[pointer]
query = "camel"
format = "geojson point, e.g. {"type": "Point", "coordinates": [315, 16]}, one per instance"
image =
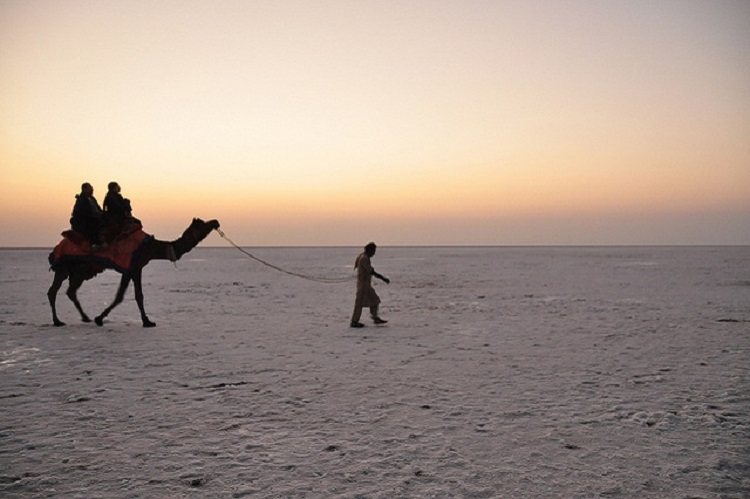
{"type": "Point", "coordinates": [151, 249]}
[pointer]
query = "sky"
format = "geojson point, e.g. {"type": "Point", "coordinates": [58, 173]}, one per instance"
{"type": "Point", "coordinates": [338, 122]}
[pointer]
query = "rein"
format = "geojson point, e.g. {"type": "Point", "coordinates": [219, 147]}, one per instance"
{"type": "Point", "coordinates": [326, 280]}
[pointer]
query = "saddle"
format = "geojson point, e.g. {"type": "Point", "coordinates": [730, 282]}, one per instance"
{"type": "Point", "coordinates": [116, 254]}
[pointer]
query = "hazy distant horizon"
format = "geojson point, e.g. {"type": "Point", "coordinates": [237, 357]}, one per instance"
{"type": "Point", "coordinates": [438, 246]}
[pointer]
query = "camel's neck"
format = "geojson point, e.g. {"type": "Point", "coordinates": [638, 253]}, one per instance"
{"type": "Point", "coordinates": [181, 246]}
{"type": "Point", "coordinates": [171, 250]}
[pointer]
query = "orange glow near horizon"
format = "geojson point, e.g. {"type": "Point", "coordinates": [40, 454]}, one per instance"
{"type": "Point", "coordinates": [417, 123]}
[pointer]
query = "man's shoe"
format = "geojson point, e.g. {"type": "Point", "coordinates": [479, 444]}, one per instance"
{"type": "Point", "coordinates": [356, 324]}
{"type": "Point", "coordinates": [378, 320]}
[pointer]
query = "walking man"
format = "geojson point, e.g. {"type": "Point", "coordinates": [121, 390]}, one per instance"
{"type": "Point", "coordinates": [366, 295]}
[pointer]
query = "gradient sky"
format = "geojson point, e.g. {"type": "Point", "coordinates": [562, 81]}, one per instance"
{"type": "Point", "coordinates": [404, 122]}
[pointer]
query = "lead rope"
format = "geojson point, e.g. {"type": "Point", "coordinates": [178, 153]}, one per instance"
{"type": "Point", "coordinates": [289, 272]}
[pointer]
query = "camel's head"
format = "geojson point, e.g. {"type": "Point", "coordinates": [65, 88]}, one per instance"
{"type": "Point", "coordinates": [199, 229]}
{"type": "Point", "coordinates": [193, 235]}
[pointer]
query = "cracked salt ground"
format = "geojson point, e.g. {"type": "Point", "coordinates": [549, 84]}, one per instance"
{"type": "Point", "coordinates": [503, 372]}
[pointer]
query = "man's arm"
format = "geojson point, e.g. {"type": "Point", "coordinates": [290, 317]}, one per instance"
{"type": "Point", "coordinates": [381, 277]}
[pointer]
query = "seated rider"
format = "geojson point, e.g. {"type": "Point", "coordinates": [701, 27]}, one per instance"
{"type": "Point", "coordinates": [115, 206]}
{"type": "Point", "coordinates": [117, 210]}
{"type": "Point", "coordinates": [87, 215]}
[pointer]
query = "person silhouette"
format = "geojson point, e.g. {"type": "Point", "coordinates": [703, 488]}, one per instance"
{"type": "Point", "coordinates": [87, 215]}
{"type": "Point", "coordinates": [366, 295]}
{"type": "Point", "coordinates": [116, 208]}
{"type": "Point", "coordinates": [118, 214]}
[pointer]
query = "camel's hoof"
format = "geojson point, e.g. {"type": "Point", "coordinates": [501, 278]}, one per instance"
{"type": "Point", "coordinates": [149, 324]}
{"type": "Point", "coordinates": [99, 321]}
{"type": "Point", "coordinates": [85, 318]}
{"type": "Point", "coordinates": [59, 323]}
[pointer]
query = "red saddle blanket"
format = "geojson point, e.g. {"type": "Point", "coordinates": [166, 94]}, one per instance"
{"type": "Point", "coordinates": [118, 255]}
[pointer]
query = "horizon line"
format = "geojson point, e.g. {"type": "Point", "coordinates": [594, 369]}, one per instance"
{"type": "Point", "coordinates": [332, 246]}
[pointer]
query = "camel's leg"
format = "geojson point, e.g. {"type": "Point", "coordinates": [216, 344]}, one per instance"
{"type": "Point", "coordinates": [57, 281]}
{"type": "Point", "coordinates": [124, 282]}
{"type": "Point", "coordinates": [75, 283]}
{"type": "Point", "coordinates": [139, 300]}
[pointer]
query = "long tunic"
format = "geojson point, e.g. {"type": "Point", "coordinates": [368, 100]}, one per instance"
{"type": "Point", "coordinates": [366, 295]}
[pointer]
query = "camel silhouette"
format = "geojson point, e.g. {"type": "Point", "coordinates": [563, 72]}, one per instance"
{"type": "Point", "coordinates": [79, 270]}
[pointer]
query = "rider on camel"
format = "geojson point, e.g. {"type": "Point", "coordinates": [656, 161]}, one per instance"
{"type": "Point", "coordinates": [87, 215]}
{"type": "Point", "coordinates": [117, 210]}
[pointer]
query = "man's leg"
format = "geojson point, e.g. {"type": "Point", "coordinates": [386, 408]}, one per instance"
{"type": "Point", "coordinates": [357, 314]}
{"type": "Point", "coordinates": [375, 317]}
